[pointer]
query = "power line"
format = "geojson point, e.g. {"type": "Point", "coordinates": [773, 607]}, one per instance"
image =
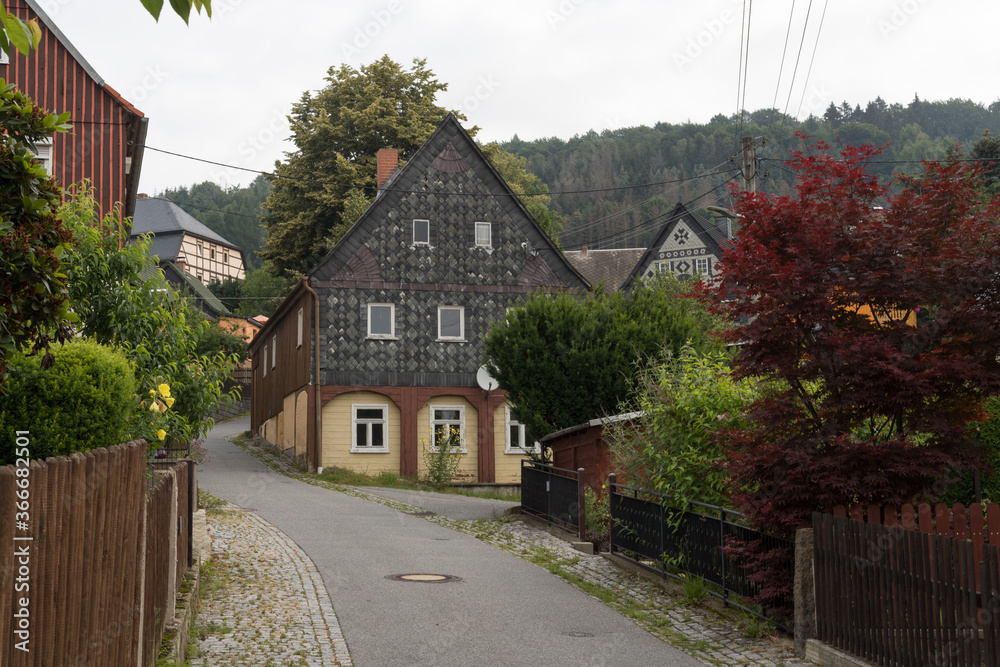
{"type": "Point", "coordinates": [798, 56]}
{"type": "Point", "coordinates": [594, 223]}
{"type": "Point", "coordinates": [638, 229]}
{"type": "Point", "coordinates": [781, 69]}
{"type": "Point", "coordinates": [456, 194]}
{"type": "Point", "coordinates": [805, 85]}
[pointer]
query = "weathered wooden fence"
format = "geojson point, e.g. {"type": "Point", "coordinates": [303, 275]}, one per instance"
{"type": "Point", "coordinates": [87, 575]}
{"type": "Point", "coordinates": [903, 597]}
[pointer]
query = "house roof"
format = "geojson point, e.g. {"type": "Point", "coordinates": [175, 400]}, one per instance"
{"type": "Point", "coordinates": [160, 216]}
{"type": "Point", "coordinates": [209, 303]}
{"type": "Point", "coordinates": [707, 231]}
{"type": "Point", "coordinates": [450, 147]}
{"type": "Point", "coordinates": [611, 267]}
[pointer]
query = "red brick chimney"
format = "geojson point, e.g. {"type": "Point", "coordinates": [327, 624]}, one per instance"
{"type": "Point", "coordinates": [583, 251]}
{"type": "Point", "coordinates": [386, 161]}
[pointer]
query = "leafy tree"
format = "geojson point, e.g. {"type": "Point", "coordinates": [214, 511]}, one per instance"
{"type": "Point", "coordinates": [988, 148]}
{"type": "Point", "coordinates": [25, 35]}
{"type": "Point", "coordinates": [34, 310]}
{"type": "Point", "coordinates": [337, 132]}
{"type": "Point", "coordinates": [123, 299]}
{"type": "Point", "coordinates": [565, 360]}
{"type": "Point", "coordinates": [671, 447]}
{"type": "Point", "coordinates": [870, 409]}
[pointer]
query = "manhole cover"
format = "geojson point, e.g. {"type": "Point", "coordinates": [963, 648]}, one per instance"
{"type": "Point", "coordinates": [424, 578]}
{"type": "Point", "coordinates": [578, 634]}
{"type": "Point", "coordinates": [426, 513]}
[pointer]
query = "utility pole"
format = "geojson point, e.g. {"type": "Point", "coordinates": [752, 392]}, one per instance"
{"type": "Point", "coordinates": [750, 164]}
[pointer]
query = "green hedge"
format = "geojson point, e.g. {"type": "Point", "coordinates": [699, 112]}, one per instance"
{"type": "Point", "coordinates": [81, 403]}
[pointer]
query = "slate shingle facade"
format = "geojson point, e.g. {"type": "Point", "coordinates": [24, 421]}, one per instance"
{"type": "Point", "coordinates": [449, 183]}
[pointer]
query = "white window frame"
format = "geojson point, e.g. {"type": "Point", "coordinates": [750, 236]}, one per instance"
{"type": "Point", "coordinates": [4, 57]}
{"type": "Point", "coordinates": [509, 421]}
{"type": "Point", "coordinates": [701, 265]}
{"type": "Point", "coordinates": [461, 426]}
{"type": "Point", "coordinates": [301, 319]}
{"type": "Point", "coordinates": [414, 236]}
{"type": "Point", "coordinates": [384, 422]}
{"type": "Point", "coordinates": [489, 235]}
{"type": "Point", "coordinates": [265, 361]}
{"type": "Point", "coordinates": [392, 322]}
{"type": "Point", "coordinates": [44, 154]}
{"type": "Point", "coordinates": [274, 351]}
{"type": "Point", "coordinates": [461, 323]}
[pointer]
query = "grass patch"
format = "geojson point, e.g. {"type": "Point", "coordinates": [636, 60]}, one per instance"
{"type": "Point", "coordinates": [207, 500]}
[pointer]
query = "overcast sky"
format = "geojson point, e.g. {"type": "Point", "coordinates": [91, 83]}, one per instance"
{"type": "Point", "coordinates": [220, 89]}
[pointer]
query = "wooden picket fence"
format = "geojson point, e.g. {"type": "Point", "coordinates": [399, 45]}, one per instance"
{"type": "Point", "coordinates": [974, 523]}
{"type": "Point", "coordinates": [89, 577]}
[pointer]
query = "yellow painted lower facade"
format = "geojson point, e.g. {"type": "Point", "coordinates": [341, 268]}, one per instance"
{"type": "Point", "coordinates": [342, 428]}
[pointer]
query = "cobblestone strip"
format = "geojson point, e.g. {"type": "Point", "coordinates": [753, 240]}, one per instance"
{"type": "Point", "coordinates": [716, 641]}
{"type": "Point", "coordinates": [264, 602]}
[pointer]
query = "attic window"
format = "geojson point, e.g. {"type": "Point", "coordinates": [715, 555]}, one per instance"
{"type": "Point", "coordinates": [421, 232]}
{"type": "Point", "coordinates": [483, 237]}
{"type": "Point", "coordinates": [43, 153]}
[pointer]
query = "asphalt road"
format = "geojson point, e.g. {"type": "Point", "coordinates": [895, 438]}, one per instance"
{"type": "Point", "coordinates": [504, 611]}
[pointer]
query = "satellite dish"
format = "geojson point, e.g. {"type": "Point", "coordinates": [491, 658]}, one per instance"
{"type": "Point", "coordinates": [485, 380]}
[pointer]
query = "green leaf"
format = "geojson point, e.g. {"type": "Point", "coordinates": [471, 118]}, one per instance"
{"type": "Point", "coordinates": [19, 33]}
{"type": "Point", "coordinates": [153, 7]}
{"type": "Point", "coordinates": [182, 7]}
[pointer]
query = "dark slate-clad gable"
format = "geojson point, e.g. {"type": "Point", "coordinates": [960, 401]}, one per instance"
{"type": "Point", "coordinates": [449, 183]}
{"type": "Point", "coordinates": [433, 186]}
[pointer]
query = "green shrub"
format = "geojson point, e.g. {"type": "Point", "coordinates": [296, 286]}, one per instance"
{"type": "Point", "coordinates": [443, 463]}
{"type": "Point", "coordinates": [81, 403]}
{"type": "Point", "coordinates": [962, 488]}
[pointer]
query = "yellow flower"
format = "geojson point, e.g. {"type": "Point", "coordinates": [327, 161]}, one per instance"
{"type": "Point", "coordinates": [152, 392]}
{"type": "Point", "coordinates": [161, 434]}
{"type": "Point", "coordinates": [164, 390]}
{"type": "Point", "coordinates": [169, 401]}
{"type": "Point", "coordinates": [154, 407]}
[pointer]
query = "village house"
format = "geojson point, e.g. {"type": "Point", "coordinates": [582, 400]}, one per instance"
{"type": "Point", "coordinates": [399, 309]}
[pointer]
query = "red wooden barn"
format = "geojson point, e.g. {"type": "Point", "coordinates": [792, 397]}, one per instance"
{"type": "Point", "coordinates": [106, 143]}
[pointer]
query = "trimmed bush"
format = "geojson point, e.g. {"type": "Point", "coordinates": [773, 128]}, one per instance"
{"type": "Point", "coordinates": [83, 402]}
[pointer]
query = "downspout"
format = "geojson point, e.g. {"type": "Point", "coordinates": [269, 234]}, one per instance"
{"type": "Point", "coordinates": [317, 385]}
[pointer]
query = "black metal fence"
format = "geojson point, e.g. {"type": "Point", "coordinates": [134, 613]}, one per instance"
{"type": "Point", "coordinates": [901, 597]}
{"type": "Point", "coordinates": [647, 530]}
{"type": "Point", "coordinates": [553, 494]}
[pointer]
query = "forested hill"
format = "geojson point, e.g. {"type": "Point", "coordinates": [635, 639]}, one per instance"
{"type": "Point", "coordinates": [233, 213]}
{"type": "Point", "coordinates": [588, 174]}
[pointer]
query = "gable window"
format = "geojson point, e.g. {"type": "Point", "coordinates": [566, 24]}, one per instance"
{"type": "Point", "coordinates": [448, 422]}
{"type": "Point", "coordinates": [370, 428]}
{"type": "Point", "coordinates": [421, 232]}
{"type": "Point", "coordinates": [701, 266]}
{"type": "Point", "coordinates": [225, 257]}
{"type": "Point", "coordinates": [211, 253]}
{"type": "Point", "coordinates": [483, 236]}
{"type": "Point", "coordinates": [451, 323]}
{"type": "Point", "coordinates": [515, 439]}
{"type": "Point", "coordinates": [301, 319]}
{"type": "Point", "coordinates": [201, 250]}
{"type": "Point", "coordinates": [381, 320]}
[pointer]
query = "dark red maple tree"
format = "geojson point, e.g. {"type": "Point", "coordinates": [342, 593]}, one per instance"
{"type": "Point", "coordinates": [864, 407]}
